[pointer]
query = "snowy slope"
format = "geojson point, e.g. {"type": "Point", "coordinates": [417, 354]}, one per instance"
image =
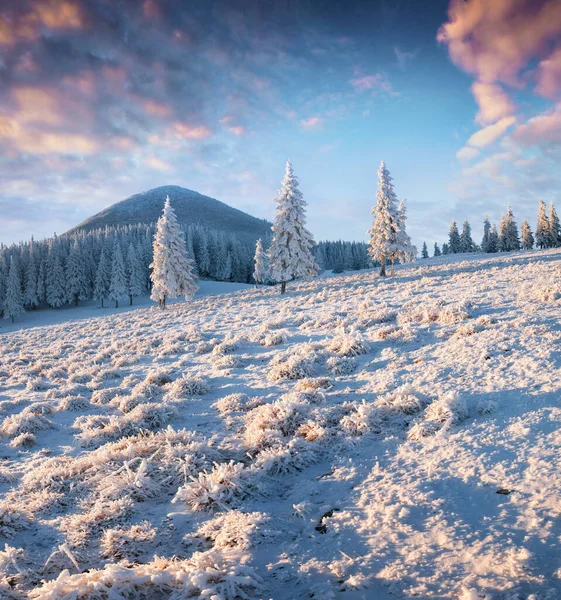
{"type": "Point", "coordinates": [190, 206]}
{"type": "Point", "coordinates": [347, 440]}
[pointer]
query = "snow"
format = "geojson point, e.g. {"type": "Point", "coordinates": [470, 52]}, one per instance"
{"type": "Point", "coordinates": [359, 437]}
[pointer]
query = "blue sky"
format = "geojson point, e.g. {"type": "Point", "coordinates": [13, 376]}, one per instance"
{"type": "Point", "coordinates": [101, 100]}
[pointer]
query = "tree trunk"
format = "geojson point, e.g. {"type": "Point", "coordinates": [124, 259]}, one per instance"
{"type": "Point", "coordinates": [393, 266]}
{"type": "Point", "coordinates": [116, 304]}
{"type": "Point", "coordinates": [164, 302]}
{"type": "Point", "coordinates": [130, 300]}
{"type": "Point", "coordinates": [102, 303]}
{"type": "Point", "coordinates": [383, 268]}
{"type": "Point", "coordinates": [283, 287]}
{"type": "Point", "coordinates": [13, 320]}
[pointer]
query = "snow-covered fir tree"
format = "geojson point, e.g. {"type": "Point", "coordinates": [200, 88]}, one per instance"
{"type": "Point", "coordinates": [13, 302]}
{"type": "Point", "coordinates": [424, 251]}
{"type": "Point", "coordinates": [493, 245]}
{"type": "Point", "coordinates": [486, 234]}
{"type": "Point", "coordinates": [454, 242]}
{"type": "Point", "coordinates": [290, 255]}
{"type": "Point", "coordinates": [75, 275]}
{"type": "Point", "coordinates": [542, 227]}
{"type": "Point", "coordinates": [118, 285]}
{"type": "Point", "coordinates": [383, 233]}
{"type": "Point", "coordinates": [554, 237]}
{"type": "Point", "coordinates": [31, 293]}
{"type": "Point", "coordinates": [173, 272]}
{"type": "Point", "coordinates": [135, 283]}
{"type": "Point", "coordinates": [527, 236]}
{"type": "Point", "coordinates": [56, 282]}
{"type": "Point", "coordinates": [260, 270]}
{"type": "Point", "coordinates": [466, 241]}
{"type": "Point", "coordinates": [511, 239]}
{"type": "Point", "coordinates": [445, 249]}
{"type": "Point", "coordinates": [102, 276]}
{"type": "Point", "coordinates": [404, 251]}
{"type": "Point", "coordinates": [436, 251]}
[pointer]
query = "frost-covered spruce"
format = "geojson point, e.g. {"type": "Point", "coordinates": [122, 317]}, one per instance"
{"type": "Point", "coordinates": [436, 251]}
{"type": "Point", "coordinates": [55, 277]}
{"type": "Point", "coordinates": [290, 254]}
{"type": "Point", "coordinates": [102, 276]}
{"type": "Point", "coordinates": [383, 233]}
{"type": "Point", "coordinates": [260, 271]}
{"type": "Point", "coordinates": [542, 227]}
{"type": "Point", "coordinates": [454, 242]}
{"type": "Point", "coordinates": [31, 294]}
{"type": "Point", "coordinates": [404, 251]}
{"type": "Point", "coordinates": [486, 235]}
{"type": "Point", "coordinates": [173, 272]}
{"type": "Point", "coordinates": [508, 233]}
{"type": "Point", "coordinates": [118, 286]}
{"type": "Point", "coordinates": [554, 228]}
{"type": "Point", "coordinates": [527, 236]}
{"type": "Point", "coordinates": [424, 251]}
{"type": "Point", "coordinates": [75, 275]}
{"type": "Point", "coordinates": [13, 303]}
{"type": "Point", "coordinates": [466, 241]}
{"type": "Point", "coordinates": [135, 284]}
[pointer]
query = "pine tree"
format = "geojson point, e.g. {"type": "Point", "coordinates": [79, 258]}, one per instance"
{"type": "Point", "coordinates": [102, 276]}
{"type": "Point", "coordinates": [260, 261]}
{"type": "Point", "coordinates": [466, 241]}
{"type": "Point", "coordinates": [486, 235]}
{"type": "Point", "coordinates": [527, 237]}
{"type": "Point", "coordinates": [13, 303]}
{"type": "Point", "coordinates": [118, 285]}
{"type": "Point", "coordinates": [75, 275]}
{"type": "Point", "coordinates": [493, 240]}
{"type": "Point", "coordinates": [290, 255]}
{"type": "Point", "coordinates": [511, 240]}
{"type": "Point", "coordinates": [445, 249]}
{"type": "Point", "coordinates": [173, 272]}
{"type": "Point", "coordinates": [403, 251]}
{"type": "Point", "coordinates": [135, 285]}
{"type": "Point", "coordinates": [424, 251]}
{"type": "Point", "coordinates": [554, 228]}
{"type": "Point", "coordinates": [56, 283]}
{"type": "Point", "coordinates": [454, 243]}
{"type": "Point", "coordinates": [437, 251]}
{"type": "Point", "coordinates": [542, 227]}
{"type": "Point", "coordinates": [383, 233]}
{"type": "Point", "coordinates": [31, 296]}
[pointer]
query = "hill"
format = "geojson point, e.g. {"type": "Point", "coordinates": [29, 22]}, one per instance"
{"type": "Point", "coordinates": [356, 438]}
{"type": "Point", "coordinates": [190, 208]}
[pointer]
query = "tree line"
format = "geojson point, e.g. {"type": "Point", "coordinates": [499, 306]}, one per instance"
{"type": "Point", "coordinates": [506, 237]}
{"type": "Point", "coordinates": [109, 264]}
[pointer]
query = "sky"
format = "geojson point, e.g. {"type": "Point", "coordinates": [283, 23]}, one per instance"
{"type": "Point", "coordinates": [101, 99]}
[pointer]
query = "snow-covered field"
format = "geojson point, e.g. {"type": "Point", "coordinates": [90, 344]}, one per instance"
{"type": "Point", "coordinates": [358, 438]}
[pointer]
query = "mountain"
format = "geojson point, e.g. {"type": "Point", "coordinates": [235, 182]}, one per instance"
{"type": "Point", "coordinates": [190, 208]}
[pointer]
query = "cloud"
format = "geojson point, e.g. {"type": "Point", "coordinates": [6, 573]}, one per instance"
{"type": "Point", "coordinates": [403, 57]}
{"type": "Point", "coordinates": [549, 76]}
{"type": "Point", "coordinates": [467, 154]}
{"type": "Point", "coordinates": [376, 82]}
{"type": "Point", "coordinates": [540, 130]}
{"type": "Point", "coordinates": [491, 133]}
{"type": "Point", "coordinates": [495, 39]}
{"type": "Point", "coordinates": [311, 122]}
{"type": "Point", "coordinates": [494, 103]}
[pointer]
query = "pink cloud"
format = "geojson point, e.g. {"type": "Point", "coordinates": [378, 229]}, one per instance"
{"type": "Point", "coordinates": [371, 82]}
{"type": "Point", "coordinates": [467, 154]}
{"type": "Point", "coordinates": [549, 75]}
{"type": "Point", "coordinates": [494, 103]}
{"type": "Point", "coordinates": [495, 39]}
{"type": "Point", "coordinates": [311, 122]}
{"type": "Point", "coordinates": [488, 135]}
{"type": "Point", "coordinates": [543, 128]}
